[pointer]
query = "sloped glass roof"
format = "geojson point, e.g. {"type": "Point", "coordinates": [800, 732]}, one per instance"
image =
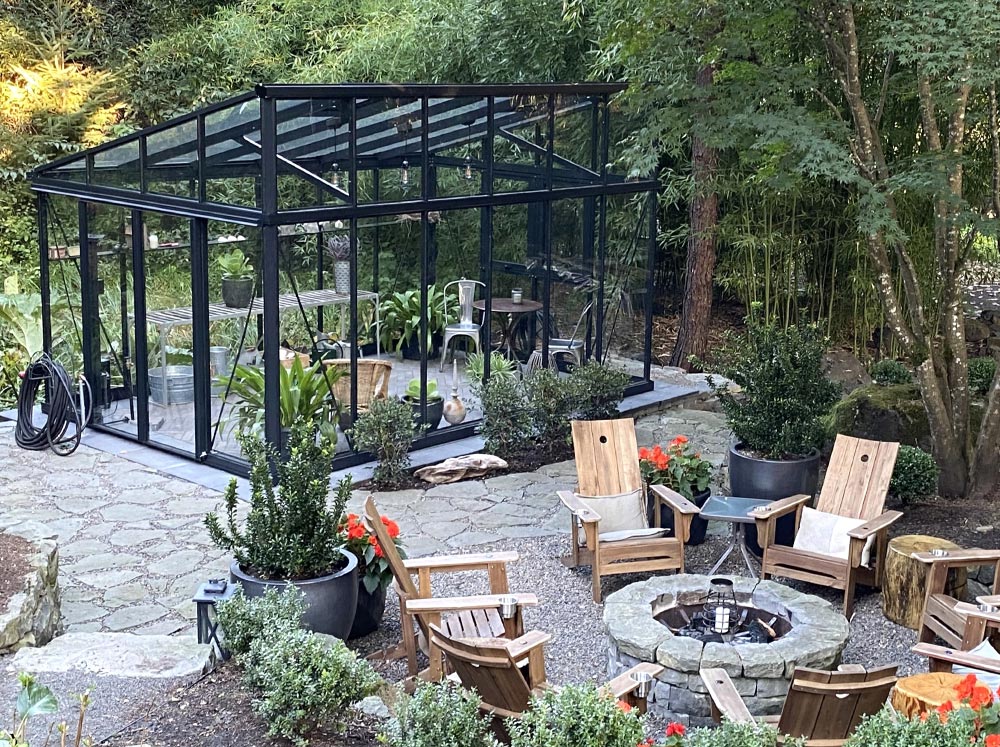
{"type": "Point", "coordinates": [326, 141]}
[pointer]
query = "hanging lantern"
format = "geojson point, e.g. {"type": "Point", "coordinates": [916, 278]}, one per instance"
{"type": "Point", "coordinates": [335, 179]}
{"type": "Point", "coordinates": [720, 606]}
{"type": "Point", "coordinates": [404, 175]}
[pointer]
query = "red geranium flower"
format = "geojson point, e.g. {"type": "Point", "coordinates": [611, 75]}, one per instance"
{"type": "Point", "coordinates": [355, 532]}
{"type": "Point", "coordinates": [980, 697]}
{"type": "Point", "coordinates": [392, 526]}
{"type": "Point", "coordinates": [993, 740]}
{"type": "Point", "coordinates": [623, 706]}
{"type": "Point", "coordinates": [965, 687]}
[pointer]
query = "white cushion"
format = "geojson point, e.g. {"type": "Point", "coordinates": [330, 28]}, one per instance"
{"type": "Point", "coordinates": [986, 651]}
{"type": "Point", "coordinates": [626, 511]}
{"type": "Point", "coordinates": [827, 534]}
{"type": "Point", "coordinates": [625, 534]}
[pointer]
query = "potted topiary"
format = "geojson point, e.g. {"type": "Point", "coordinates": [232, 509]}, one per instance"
{"type": "Point", "coordinates": [374, 571]}
{"type": "Point", "coordinates": [435, 403]}
{"type": "Point", "coordinates": [237, 279]}
{"type": "Point", "coordinates": [683, 470]}
{"type": "Point", "coordinates": [290, 536]}
{"type": "Point", "coordinates": [776, 417]}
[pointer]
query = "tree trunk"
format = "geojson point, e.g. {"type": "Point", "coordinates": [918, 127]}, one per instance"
{"type": "Point", "coordinates": [692, 335]}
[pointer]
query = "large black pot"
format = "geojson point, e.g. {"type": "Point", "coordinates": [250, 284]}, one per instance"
{"type": "Point", "coordinates": [771, 479]}
{"type": "Point", "coordinates": [698, 524]}
{"type": "Point", "coordinates": [331, 600]}
{"type": "Point", "coordinates": [237, 292]}
{"type": "Point", "coordinates": [371, 608]}
{"type": "Point", "coordinates": [435, 409]}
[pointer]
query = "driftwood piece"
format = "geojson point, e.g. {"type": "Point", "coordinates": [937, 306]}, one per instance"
{"type": "Point", "coordinates": [905, 581]}
{"type": "Point", "coordinates": [460, 468]}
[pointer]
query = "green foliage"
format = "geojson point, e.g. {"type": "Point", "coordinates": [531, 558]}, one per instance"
{"type": "Point", "coordinates": [246, 620]}
{"type": "Point", "coordinates": [915, 474]}
{"type": "Point", "coordinates": [732, 734]}
{"type": "Point", "coordinates": [21, 320]}
{"type": "Point", "coordinates": [303, 394]}
{"type": "Point", "coordinates": [550, 402]}
{"type": "Point", "coordinates": [575, 716]}
{"type": "Point", "coordinates": [888, 729]}
{"type": "Point", "coordinates": [597, 389]}
{"type": "Point", "coordinates": [506, 426]}
{"type": "Point", "coordinates": [439, 715]}
{"type": "Point", "coordinates": [981, 374]}
{"type": "Point", "coordinates": [35, 699]}
{"type": "Point", "coordinates": [387, 430]}
{"type": "Point", "coordinates": [413, 390]}
{"type": "Point", "coordinates": [785, 390]}
{"type": "Point", "coordinates": [888, 372]}
{"type": "Point", "coordinates": [234, 265]}
{"type": "Point", "coordinates": [402, 312]}
{"type": "Point", "coordinates": [305, 681]}
{"type": "Point", "coordinates": [500, 365]}
{"type": "Point", "coordinates": [289, 533]}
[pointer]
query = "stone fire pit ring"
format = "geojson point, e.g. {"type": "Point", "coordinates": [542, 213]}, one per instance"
{"type": "Point", "coordinates": [761, 671]}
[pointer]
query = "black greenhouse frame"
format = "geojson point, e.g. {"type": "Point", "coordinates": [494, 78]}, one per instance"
{"type": "Point", "coordinates": [286, 161]}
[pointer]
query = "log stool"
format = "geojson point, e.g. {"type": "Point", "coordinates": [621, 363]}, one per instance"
{"type": "Point", "coordinates": [905, 581]}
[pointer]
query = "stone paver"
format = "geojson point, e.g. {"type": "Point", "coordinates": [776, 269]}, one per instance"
{"type": "Point", "coordinates": [134, 548]}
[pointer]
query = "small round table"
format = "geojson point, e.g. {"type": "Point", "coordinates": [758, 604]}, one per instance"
{"type": "Point", "coordinates": [513, 312]}
{"type": "Point", "coordinates": [918, 693]}
{"type": "Point", "coordinates": [737, 512]}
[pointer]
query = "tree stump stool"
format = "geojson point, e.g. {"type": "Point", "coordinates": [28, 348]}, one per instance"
{"type": "Point", "coordinates": [905, 582]}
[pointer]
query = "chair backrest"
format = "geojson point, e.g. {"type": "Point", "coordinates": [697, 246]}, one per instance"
{"type": "Point", "coordinates": [857, 477]}
{"type": "Point", "coordinates": [607, 457]}
{"type": "Point", "coordinates": [373, 380]}
{"type": "Point", "coordinates": [583, 316]}
{"type": "Point", "coordinates": [466, 295]}
{"type": "Point", "coordinates": [829, 705]}
{"type": "Point", "coordinates": [484, 665]}
{"type": "Point", "coordinates": [402, 577]}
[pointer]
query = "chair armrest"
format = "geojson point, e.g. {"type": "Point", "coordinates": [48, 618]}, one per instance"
{"type": "Point", "coordinates": [623, 684]}
{"type": "Point", "coordinates": [723, 693]}
{"type": "Point", "coordinates": [460, 604]}
{"type": "Point", "coordinates": [993, 599]}
{"type": "Point", "coordinates": [959, 557]}
{"type": "Point", "coordinates": [951, 656]}
{"type": "Point", "coordinates": [780, 507]}
{"type": "Point", "coordinates": [470, 562]}
{"type": "Point", "coordinates": [674, 500]}
{"type": "Point", "coordinates": [874, 526]}
{"type": "Point", "coordinates": [522, 645]}
{"type": "Point", "coordinates": [971, 610]}
{"type": "Point", "coordinates": [578, 508]}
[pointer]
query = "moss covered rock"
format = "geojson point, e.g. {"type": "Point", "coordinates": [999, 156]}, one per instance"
{"type": "Point", "coordinates": [882, 413]}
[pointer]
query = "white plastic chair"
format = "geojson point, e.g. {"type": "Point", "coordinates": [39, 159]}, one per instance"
{"type": "Point", "coordinates": [464, 327]}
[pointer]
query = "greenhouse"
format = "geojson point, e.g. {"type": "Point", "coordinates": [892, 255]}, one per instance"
{"type": "Point", "coordinates": [308, 248]}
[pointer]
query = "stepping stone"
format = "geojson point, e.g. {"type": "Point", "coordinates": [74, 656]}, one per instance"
{"type": "Point", "coordinates": [117, 655]}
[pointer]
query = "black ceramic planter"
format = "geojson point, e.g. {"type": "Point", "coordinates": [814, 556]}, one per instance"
{"type": "Point", "coordinates": [371, 608]}
{"type": "Point", "coordinates": [435, 409]}
{"type": "Point", "coordinates": [331, 601]}
{"type": "Point", "coordinates": [771, 479]}
{"type": "Point", "coordinates": [237, 292]}
{"type": "Point", "coordinates": [698, 524]}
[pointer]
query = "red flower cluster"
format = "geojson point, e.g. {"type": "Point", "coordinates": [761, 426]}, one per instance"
{"type": "Point", "coordinates": [675, 729]}
{"type": "Point", "coordinates": [674, 737]}
{"type": "Point", "coordinates": [992, 740]}
{"type": "Point", "coordinates": [655, 456]}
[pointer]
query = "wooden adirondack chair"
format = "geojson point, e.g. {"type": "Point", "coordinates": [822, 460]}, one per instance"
{"type": "Point", "coordinates": [419, 609]}
{"type": "Point", "coordinates": [944, 615]}
{"type": "Point", "coordinates": [977, 627]}
{"type": "Point", "coordinates": [607, 464]}
{"type": "Point", "coordinates": [855, 486]}
{"type": "Point", "coordinates": [506, 674]}
{"type": "Point", "coordinates": [823, 707]}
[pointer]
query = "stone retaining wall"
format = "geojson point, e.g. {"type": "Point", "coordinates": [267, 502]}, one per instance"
{"type": "Point", "coordinates": [32, 617]}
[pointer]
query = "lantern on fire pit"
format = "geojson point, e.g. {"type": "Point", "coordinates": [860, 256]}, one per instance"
{"type": "Point", "coordinates": [720, 606]}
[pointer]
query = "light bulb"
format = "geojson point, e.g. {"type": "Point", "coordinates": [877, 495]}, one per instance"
{"type": "Point", "coordinates": [335, 180]}
{"type": "Point", "coordinates": [467, 169]}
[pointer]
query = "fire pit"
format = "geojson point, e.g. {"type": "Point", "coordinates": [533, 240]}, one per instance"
{"type": "Point", "coordinates": [758, 631]}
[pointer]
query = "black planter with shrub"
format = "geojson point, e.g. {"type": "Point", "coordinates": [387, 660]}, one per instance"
{"type": "Point", "coordinates": [777, 414]}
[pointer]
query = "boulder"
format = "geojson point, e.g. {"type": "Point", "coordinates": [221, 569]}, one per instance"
{"type": "Point", "coordinates": [845, 368]}
{"type": "Point", "coordinates": [883, 413]}
{"type": "Point", "coordinates": [976, 331]}
{"type": "Point", "coordinates": [32, 617]}
{"type": "Point", "coordinates": [461, 468]}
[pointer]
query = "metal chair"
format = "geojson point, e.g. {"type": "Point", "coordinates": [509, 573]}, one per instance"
{"type": "Point", "coordinates": [572, 345]}
{"type": "Point", "coordinates": [464, 327]}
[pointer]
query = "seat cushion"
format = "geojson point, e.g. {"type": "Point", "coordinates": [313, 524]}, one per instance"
{"type": "Point", "coordinates": [625, 534]}
{"type": "Point", "coordinates": [622, 512]}
{"type": "Point", "coordinates": [985, 650]}
{"type": "Point", "coordinates": [826, 533]}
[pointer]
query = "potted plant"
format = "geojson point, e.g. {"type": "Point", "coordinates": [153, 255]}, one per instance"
{"type": "Point", "coordinates": [682, 469]}
{"type": "Point", "coordinates": [290, 535]}
{"type": "Point", "coordinates": [303, 394]}
{"type": "Point", "coordinates": [400, 317]}
{"type": "Point", "coordinates": [374, 571]}
{"type": "Point", "coordinates": [237, 279]}
{"type": "Point", "coordinates": [339, 250]}
{"type": "Point", "coordinates": [776, 416]}
{"type": "Point", "coordinates": [435, 402]}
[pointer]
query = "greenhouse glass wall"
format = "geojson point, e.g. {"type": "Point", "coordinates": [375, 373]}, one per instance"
{"type": "Point", "coordinates": [201, 273]}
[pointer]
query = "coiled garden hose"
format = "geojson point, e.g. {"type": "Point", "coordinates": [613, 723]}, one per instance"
{"type": "Point", "coordinates": [65, 409]}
